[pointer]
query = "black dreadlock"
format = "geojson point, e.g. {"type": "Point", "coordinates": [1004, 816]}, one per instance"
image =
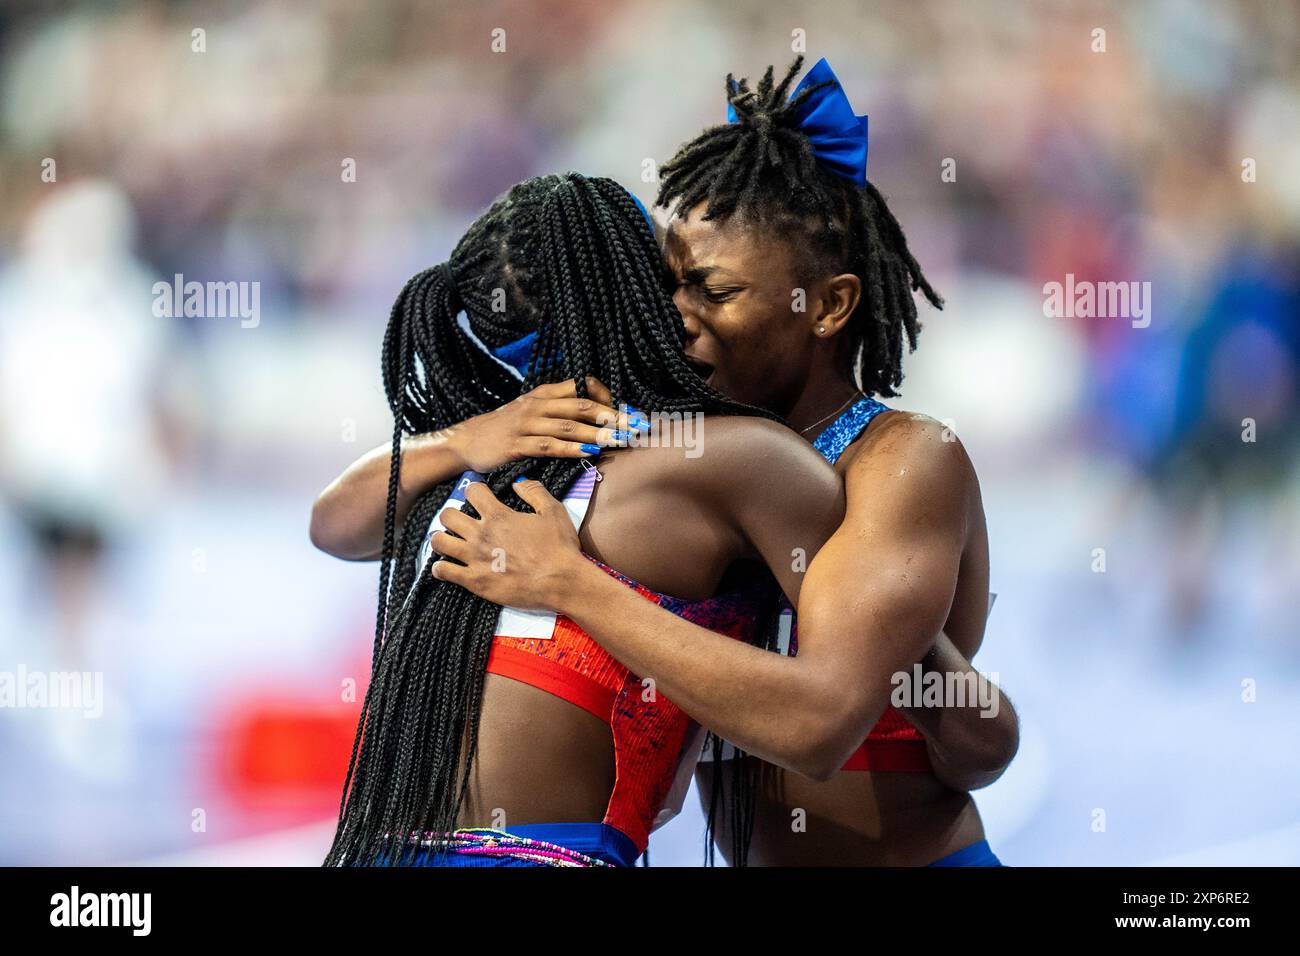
{"type": "Point", "coordinates": [561, 256]}
{"type": "Point", "coordinates": [763, 168]}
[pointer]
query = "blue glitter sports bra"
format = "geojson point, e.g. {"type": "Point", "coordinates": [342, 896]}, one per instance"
{"type": "Point", "coordinates": [844, 431]}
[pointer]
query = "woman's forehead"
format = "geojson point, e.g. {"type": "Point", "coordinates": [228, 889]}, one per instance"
{"type": "Point", "coordinates": [733, 246]}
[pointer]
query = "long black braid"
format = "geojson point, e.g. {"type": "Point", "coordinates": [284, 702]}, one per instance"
{"type": "Point", "coordinates": [561, 256]}
{"type": "Point", "coordinates": [763, 168]}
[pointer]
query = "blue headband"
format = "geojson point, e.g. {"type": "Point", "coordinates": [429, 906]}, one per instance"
{"type": "Point", "coordinates": [839, 137]}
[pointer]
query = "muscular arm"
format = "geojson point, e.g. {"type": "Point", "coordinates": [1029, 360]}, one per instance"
{"type": "Point", "coordinates": [870, 604]}
{"type": "Point", "coordinates": [347, 519]}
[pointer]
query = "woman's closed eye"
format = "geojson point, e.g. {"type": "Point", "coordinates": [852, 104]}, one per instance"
{"type": "Point", "coordinates": [719, 295]}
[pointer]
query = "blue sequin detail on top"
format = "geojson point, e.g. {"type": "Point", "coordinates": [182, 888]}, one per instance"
{"type": "Point", "coordinates": [844, 431]}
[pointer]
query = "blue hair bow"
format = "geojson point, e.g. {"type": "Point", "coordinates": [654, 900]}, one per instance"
{"type": "Point", "coordinates": [839, 137]}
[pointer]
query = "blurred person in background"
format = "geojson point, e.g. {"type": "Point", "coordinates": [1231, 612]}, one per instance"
{"type": "Point", "coordinates": [81, 357]}
{"type": "Point", "coordinates": [1234, 439]}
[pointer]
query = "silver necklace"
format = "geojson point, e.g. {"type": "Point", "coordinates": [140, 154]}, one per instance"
{"type": "Point", "coordinates": [852, 399]}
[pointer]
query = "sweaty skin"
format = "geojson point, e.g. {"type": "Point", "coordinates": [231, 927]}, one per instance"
{"type": "Point", "coordinates": [908, 557]}
{"type": "Point", "coordinates": [910, 560]}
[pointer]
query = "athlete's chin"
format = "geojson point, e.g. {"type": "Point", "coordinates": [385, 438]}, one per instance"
{"type": "Point", "coordinates": [718, 382]}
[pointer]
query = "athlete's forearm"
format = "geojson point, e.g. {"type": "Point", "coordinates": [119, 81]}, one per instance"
{"type": "Point", "coordinates": [788, 712]}
{"type": "Point", "coordinates": [347, 519]}
{"type": "Point", "coordinates": [548, 421]}
{"type": "Point", "coordinates": [971, 740]}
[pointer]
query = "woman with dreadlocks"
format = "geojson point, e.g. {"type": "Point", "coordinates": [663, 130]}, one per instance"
{"type": "Point", "coordinates": [771, 208]}
{"type": "Point", "coordinates": [497, 736]}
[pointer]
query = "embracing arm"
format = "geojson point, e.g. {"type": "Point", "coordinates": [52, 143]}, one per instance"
{"type": "Point", "coordinates": [347, 519]}
{"type": "Point", "coordinates": [870, 605]}
{"type": "Point", "coordinates": [795, 727]}
{"type": "Point", "coordinates": [969, 746]}
{"type": "Point", "coordinates": [782, 501]}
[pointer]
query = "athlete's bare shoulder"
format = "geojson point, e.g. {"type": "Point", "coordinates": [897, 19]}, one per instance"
{"type": "Point", "coordinates": [903, 444]}
{"type": "Point", "coordinates": [748, 443]}
{"type": "Point", "coordinates": [734, 454]}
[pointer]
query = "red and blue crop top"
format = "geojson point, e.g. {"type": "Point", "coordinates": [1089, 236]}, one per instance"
{"type": "Point", "coordinates": [552, 653]}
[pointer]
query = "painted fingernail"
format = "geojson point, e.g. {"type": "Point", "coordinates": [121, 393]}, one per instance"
{"type": "Point", "coordinates": [521, 478]}
{"type": "Point", "coordinates": [620, 436]}
{"type": "Point", "coordinates": [635, 420]}
{"type": "Point", "coordinates": [591, 449]}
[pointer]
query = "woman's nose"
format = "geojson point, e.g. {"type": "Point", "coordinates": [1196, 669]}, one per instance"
{"type": "Point", "coordinates": [683, 302]}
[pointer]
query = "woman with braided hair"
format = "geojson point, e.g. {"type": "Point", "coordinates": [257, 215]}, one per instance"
{"type": "Point", "coordinates": [795, 283]}
{"type": "Point", "coordinates": [494, 735]}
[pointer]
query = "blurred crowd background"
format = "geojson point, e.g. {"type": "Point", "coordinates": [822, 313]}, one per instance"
{"type": "Point", "coordinates": [156, 474]}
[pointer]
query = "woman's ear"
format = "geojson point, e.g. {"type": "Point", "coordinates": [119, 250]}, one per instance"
{"type": "Point", "coordinates": [840, 296]}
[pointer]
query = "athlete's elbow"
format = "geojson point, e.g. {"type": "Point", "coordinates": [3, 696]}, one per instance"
{"type": "Point", "coordinates": [820, 770]}
{"type": "Point", "coordinates": [1003, 744]}
{"type": "Point", "coordinates": [807, 754]}
{"type": "Point", "coordinates": [829, 739]}
{"type": "Point", "coordinates": [1000, 738]}
{"type": "Point", "coordinates": [823, 760]}
{"type": "Point", "coordinates": [985, 759]}
{"type": "Point", "coordinates": [333, 535]}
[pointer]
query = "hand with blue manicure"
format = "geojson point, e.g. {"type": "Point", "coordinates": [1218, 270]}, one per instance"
{"type": "Point", "coordinates": [636, 421]}
{"type": "Point", "coordinates": [550, 421]}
